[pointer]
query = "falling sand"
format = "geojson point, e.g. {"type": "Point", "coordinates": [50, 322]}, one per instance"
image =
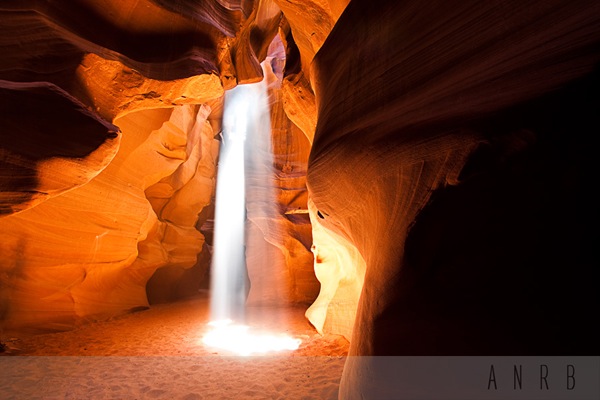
{"type": "Point", "coordinates": [159, 354]}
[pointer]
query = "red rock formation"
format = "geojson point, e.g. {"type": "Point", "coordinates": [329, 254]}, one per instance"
{"type": "Point", "coordinates": [91, 250]}
{"type": "Point", "coordinates": [340, 268]}
{"type": "Point", "coordinates": [49, 144]}
{"type": "Point", "coordinates": [306, 26]}
{"type": "Point", "coordinates": [119, 207]}
{"type": "Point", "coordinates": [448, 175]}
{"type": "Point", "coordinates": [82, 68]}
{"type": "Point", "coordinates": [456, 133]}
{"type": "Point", "coordinates": [279, 261]}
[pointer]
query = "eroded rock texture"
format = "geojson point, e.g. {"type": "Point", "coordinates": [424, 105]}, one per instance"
{"type": "Point", "coordinates": [450, 207]}
{"type": "Point", "coordinates": [459, 134]}
{"type": "Point", "coordinates": [306, 25]}
{"type": "Point", "coordinates": [49, 143]}
{"type": "Point", "coordinates": [340, 268]}
{"type": "Point", "coordinates": [109, 114]}
{"type": "Point", "coordinates": [91, 250]}
{"type": "Point", "coordinates": [278, 232]}
{"type": "Point", "coordinates": [114, 57]}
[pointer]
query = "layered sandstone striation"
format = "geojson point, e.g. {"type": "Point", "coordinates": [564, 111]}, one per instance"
{"type": "Point", "coordinates": [306, 25]}
{"type": "Point", "coordinates": [108, 151]}
{"type": "Point", "coordinates": [41, 158]}
{"type": "Point", "coordinates": [458, 135]}
{"type": "Point", "coordinates": [340, 268]}
{"type": "Point", "coordinates": [278, 233]}
{"type": "Point", "coordinates": [445, 146]}
{"type": "Point", "coordinates": [91, 250]}
{"type": "Point", "coordinates": [304, 29]}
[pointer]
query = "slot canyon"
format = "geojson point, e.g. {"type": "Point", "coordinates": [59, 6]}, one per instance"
{"type": "Point", "coordinates": [428, 189]}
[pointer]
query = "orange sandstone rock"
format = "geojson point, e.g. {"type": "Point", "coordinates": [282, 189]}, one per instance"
{"type": "Point", "coordinates": [90, 251]}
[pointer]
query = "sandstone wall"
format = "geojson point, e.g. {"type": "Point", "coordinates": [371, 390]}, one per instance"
{"type": "Point", "coordinates": [458, 134]}
{"type": "Point", "coordinates": [109, 114]}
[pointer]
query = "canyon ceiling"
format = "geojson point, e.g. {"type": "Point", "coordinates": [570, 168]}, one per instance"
{"type": "Point", "coordinates": [433, 165]}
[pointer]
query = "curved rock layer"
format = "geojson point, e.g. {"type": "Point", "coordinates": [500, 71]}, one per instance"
{"type": "Point", "coordinates": [340, 268]}
{"type": "Point", "coordinates": [39, 158]}
{"type": "Point", "coordinates": [119, 31]}
{"type": "Point", "coordinates": [102, 208]}
{"type": "Point", "coordinates": [114, 57]}
{"type": "Point", "coordinates": [449, 172]}
{"type": "Point", "coordinates": [306, 25]}
{"type": "Point", "coordinates": [278, 257]}
{"type": "Point", "coordinates": [459, 137]}
{"type": "Point", "coordinates": [90, 251]}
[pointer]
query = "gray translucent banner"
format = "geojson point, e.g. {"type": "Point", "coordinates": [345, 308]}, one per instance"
{"type": "Point", "coordinates": [472, 378]}
{"type": "Point", "coordinates": [414, 378]}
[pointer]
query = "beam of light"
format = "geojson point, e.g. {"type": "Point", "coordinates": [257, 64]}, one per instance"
{"type": "Point", "coordinates": [228, 284]}
{"type": "Point", "coordinates": [246, 115]}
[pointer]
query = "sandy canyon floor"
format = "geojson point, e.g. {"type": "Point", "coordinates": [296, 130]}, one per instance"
{"type": "Point", "coordinates": [159, 354]}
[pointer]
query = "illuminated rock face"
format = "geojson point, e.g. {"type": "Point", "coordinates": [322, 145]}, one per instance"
{"type": "Point", "coordinates": [306, 25]}
{"type": "Point", "coordinates": [40, 157]}
{"type": "Point", "coordinates": [448, 204]}
{"type": "Point", "coordinates": [178, 199]}
{"type": "Point", "coordinates": [92, 249]}
{"type": "Point", "coordinates": [278, 256]}
{"type": "Point", "coordinates": [107, 155]}
{"type": "Point", "coordinates": [451, 150]}
{"type": "Point", "coordinates": [341, 269]}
